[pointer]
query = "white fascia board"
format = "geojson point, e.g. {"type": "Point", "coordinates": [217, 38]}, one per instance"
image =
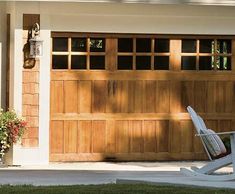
{"type": "Point", "coordinates": [191, 2]}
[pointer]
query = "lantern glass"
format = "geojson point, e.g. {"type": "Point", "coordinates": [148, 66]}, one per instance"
{"type": "Point", "coordinates": [35, 48]}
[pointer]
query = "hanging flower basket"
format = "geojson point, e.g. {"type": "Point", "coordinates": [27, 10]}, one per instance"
{"type": "Point", "coordinates": [12, 128]}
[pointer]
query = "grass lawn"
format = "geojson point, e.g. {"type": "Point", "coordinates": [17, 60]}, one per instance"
{"type": "Point", "coordinates": [110, 189]}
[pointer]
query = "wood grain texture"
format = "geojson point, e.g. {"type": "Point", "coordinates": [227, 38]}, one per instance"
{"type": "Point", "coordinates": [110, 137]}
{"type": "Point", "coordinates": [187, 134]}
{"type": "Point", "coordinates": [85, 136]}
{"type": "Point", "coordinates": [200, 96]}
{"type": "Point", "coordinates": [175, 97]}
{"type": "Point", "coordinates": [99, 94]}
{"type": "Point", "coordinates": [57, 137]}
{"type": "Point", "coordinates": [71, 100]}
{"type": "Point", "coordinates": [98, 136]}
{"type": "Point", "coordinates": [57, 97]}
{"type": "Point", "coordinates": [70, 136]}
{"type": "Point", "coordinates": [211, 97]}
{"type": "Point", "coordinates": [187, 95]}
{"type": "Point", "coordinates": [163, 136]}
{"type": "Point", "coordinates": [149, 135]}
{"type": "Point", "coordinates": [149, 97]}
{"type": "Point", "coordinates": [175, 137]}
{"type": "Point", "coordinates": [122, 136]}
{"type": "Point", "coordinates": [85, 96]}
{"type": "Point", "coordinates": [163, 97]}
{"type": "Point", "coordinates": [136, 137]}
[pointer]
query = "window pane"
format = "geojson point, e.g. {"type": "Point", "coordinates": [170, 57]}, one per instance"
{"type": "Point", "coordinates": [162, 45]}
{"type": "Point", "coordinates": [161, 62]}
{"type": "Point", "coordinates": [125, 62]}
{"type": "Point", "coordinates": [223, 63]}
{"type": "Point", "coordinates": [223, 46]}
{"type": "Point", "coordinates": [97, 45]}
{"type": "Point", "coordinates": [60, 44]}
{"type": "Point", "coordinates": [189, 46]}
{"type": "Point", "coordinates": [59, 62]}
{"type": "Point", "coordinates": [125, 45]}
{"type": "Point", "coordinates": [97, 62]}
{"type": "Point", "coordinates": [188, 63]}
{"type": "Point", "coordinates": [205, 63]}
{"type": "Point", "coordinates": [78, 62]}
{"type": "Point", "coordinates": [143, 45]}
{"type": "Point", "coordinates": [206, 46]}
{"type": "Point", "coordinates": [143, 62]}
{"type": "Point", "coordinates": [79, 44]}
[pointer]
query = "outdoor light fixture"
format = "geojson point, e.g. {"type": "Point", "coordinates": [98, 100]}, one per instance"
{"type": "Point", "coordinates": [35, 42]}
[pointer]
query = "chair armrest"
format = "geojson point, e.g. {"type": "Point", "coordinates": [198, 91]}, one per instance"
{"type": "Point", "coordinates": [219, 133]}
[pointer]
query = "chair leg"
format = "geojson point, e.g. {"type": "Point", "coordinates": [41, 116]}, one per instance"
{"type": "Point", "coordinates": [215, 165]}
{"type": "Point", "coordinates": [232, 141]}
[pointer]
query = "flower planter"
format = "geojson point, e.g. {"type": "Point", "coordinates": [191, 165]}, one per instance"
{"type": "Point", "coordinates": [12, 128]}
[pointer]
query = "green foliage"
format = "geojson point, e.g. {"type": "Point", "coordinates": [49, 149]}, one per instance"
{"type": "Point", "coordinates": [11, 129]}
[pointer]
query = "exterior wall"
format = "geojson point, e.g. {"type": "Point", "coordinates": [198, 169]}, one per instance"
{"type": "Point", "coordinates": [85, 17]}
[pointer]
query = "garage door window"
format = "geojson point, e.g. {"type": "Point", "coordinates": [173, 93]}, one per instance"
{"type": "Point", "coordinates": [78, 53]}
{"type": "Point", "coordinates": [206, 54]}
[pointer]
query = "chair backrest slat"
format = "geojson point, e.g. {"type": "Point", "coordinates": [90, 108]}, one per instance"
{"type": "Point", "coordinates": [199, 125]}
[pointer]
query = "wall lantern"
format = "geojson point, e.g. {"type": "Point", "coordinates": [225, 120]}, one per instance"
{"type": "Point", "coordinates": [35, 42]}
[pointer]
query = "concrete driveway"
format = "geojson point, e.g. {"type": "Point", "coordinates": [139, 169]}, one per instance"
{"type": "Point", "coordinates": [102, 173]}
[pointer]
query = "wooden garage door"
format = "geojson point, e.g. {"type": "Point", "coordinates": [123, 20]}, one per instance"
{"type": "Point", "coordinates": [117, 97]}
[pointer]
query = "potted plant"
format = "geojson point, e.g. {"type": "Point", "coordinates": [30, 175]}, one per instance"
{"type": "Point", "coordinates": [12, 128]}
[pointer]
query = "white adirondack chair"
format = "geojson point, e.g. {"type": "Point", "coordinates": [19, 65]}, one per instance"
{"type": "Point", "coordinates": [214, 148]}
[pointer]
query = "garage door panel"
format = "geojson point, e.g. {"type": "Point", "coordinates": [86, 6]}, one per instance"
{"type": "Point", "coordinates": [98, 136]}
{"type": "Point", "coordinates": [136, 141]}
{"type": "Point", "coordinates": [99, 96]}
{"type": "Point", "coordinates": [84, 136]}
{"type": "Point", "coordinates": [57, 132]}
{"type": "Point", "coordinates": [163, 135]}
{"type": "Point", "coordinates": [85, 96]}
{"type": "Point", "coordinates": [149, 134]}
{"type": "Point", "coordinates": [122, 130]}
{"type": "Point", "coordinates": [70, 136]}
{"type": "Point", "coordinates": [110, 136]}
{"type": "Point", "coordinates": [71, 99]}
{"type": "Point", "coordinates": [149, 98]}
{"type": "Point", "coordinates": [57, 97]}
